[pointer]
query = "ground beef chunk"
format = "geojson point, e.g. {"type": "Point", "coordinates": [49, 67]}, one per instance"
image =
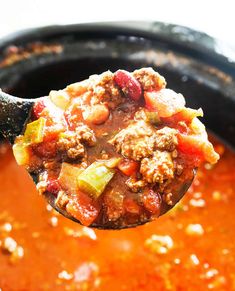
{"type": "Point", "coordinates": [166, 139]}
{"type": "Point", "coordinates": [141, 115]}
{"type": "Point", "coordinates": [154, 148]}
{"type": "Point", "coordinates": [104, 90]}
{"type": "Point", "coordinates": [135, 185]}
{"type": "Point", "coordinates": [157, 168]}
{"type": "Point", "coordinates": [98, 89]}
{"type": "Point", "coordinates": [72, 142]}
{"type": "Point", "coordinates": [140, 139]}
{"type": "Point", "coordinates": [136, 141]}
{"type": "Point", "coordinates": [77, 152]}
{"type": "Point", "coordinates": [167, 197]}
{"type": "Point", "coordinates": [85, 134]}
{"type": "Point", "coordinates": [149, 79]}
{"type": "Point", "coordinates": [178, 168]}
{"type": "Point", "coordinates": [35, 164]}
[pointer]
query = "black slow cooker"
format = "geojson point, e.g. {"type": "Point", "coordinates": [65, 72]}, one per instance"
{"type": "Point", "coordinates": [34, 61]}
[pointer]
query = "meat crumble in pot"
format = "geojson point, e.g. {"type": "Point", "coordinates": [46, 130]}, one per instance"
{"type": "Point", "coordinates": [114, 149]}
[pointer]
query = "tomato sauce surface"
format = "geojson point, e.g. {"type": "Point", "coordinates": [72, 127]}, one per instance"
{"type": "Point", "coordinates": [190, 248]}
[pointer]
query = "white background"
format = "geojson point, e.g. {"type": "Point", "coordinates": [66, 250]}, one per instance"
{"type": "Point", "coordinates": [216, 18]}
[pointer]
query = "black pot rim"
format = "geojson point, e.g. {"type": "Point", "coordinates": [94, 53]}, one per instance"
{"type": "Point", "coordinates": [216, 51]}
{"type": "Point", "coordinates": [198, 46]}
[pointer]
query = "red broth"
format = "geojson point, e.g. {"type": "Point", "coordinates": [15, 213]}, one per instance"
{"type": "Point", "coordinates": [190, 248]}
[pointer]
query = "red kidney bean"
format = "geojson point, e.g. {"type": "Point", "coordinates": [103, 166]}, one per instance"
{"type": "Point", "coordinates": [53, 186]}
{"type": "Point", "coordinates": [128, 84]}
{"type": "Point", "coordinates": [38, 108]}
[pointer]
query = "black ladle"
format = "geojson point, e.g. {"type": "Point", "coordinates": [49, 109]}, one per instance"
{"type": "Point", "coordinates": [14, 115]}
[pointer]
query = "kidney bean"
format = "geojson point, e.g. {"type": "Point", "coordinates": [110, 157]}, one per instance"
{"type": "Point", "coordinates": [53, 186]}
{"type": "Point", "coordinates": [128, 84]}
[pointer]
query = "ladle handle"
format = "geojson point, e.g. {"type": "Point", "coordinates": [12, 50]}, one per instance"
{"type": "Point", "coordinates": [14, 113]}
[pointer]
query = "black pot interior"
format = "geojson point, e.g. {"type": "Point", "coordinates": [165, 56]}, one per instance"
{"type": "Point", "coordinates": [205, 79]}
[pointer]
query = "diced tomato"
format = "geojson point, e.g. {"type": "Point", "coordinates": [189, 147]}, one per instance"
{"type": "Point", "coordinates": [152, 201]}
{"type": "Point", "coordinates": [51, 135]}
{"type": "Point", "coordinates": [210, 154]}
{"type": "Point", "coordinates": [83, 208]}
{"type": "Point", "coordinates": [186, 115]}
{"type": "Point", "coordinates": [191, 146]}
{"type": "Point", "coordinates": [198, 148]}
{"type": "Point", "coordinates": [38, 107]}
{"type": "Point", "coordinates": [131, 206]}
{"type": "Point", "coordinates": [45, 113]}
{"type": "Point", "coordinates": [53, 186]}
{"type": "Point", "coordinates": [96, 114]}
{"type": "Point", "coordinates": [165, 101]}
{"type": "Point", "coordinates": [128, 167]}
{"type": "Point", "coordinates": [46, 149]}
